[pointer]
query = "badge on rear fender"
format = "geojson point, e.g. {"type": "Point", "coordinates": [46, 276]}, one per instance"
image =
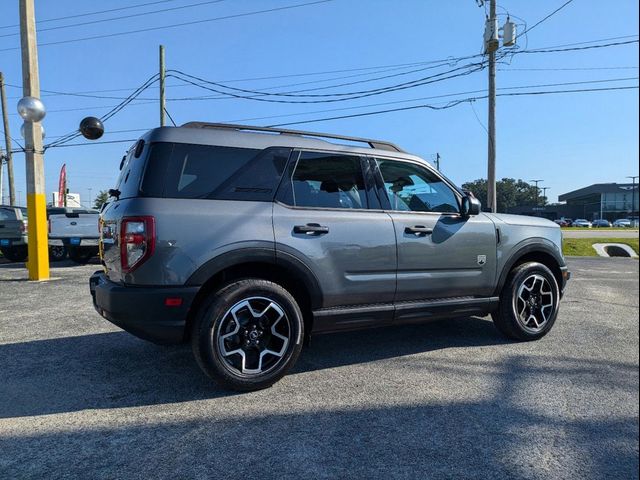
{"type": "Point", "coordinates": [482, 259]}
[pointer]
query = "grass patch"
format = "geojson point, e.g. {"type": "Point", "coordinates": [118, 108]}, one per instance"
{"type": "Point", "coordinates": [583, 247]}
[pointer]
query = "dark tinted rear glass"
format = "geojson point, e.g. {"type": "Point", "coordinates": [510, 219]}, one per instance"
{"type": "Point", "coordinates": [7, 214]}
{"type": "Point", "coordinates": [222, 173]}
{"type": "Point", "coordinates": [129, 179]}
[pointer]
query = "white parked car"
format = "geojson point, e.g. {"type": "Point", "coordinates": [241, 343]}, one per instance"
{"type": "Point", "coordinates": [581, 222]}
{"type": "Point", "coordinates": [622, 223]}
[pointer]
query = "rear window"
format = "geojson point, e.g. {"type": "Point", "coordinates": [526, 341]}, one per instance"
{"type": "Point", "coordinates": [212, 172]}
{"type": "Point", "coordinates": [7, 214]}
{"type": "Point", "coordinates": [129, 180]}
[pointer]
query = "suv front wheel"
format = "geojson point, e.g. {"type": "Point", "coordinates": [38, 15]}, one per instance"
{"type": "Point", "coordinates": [528, 303]}
{"type": "Point", "coordinates": [248, 334]}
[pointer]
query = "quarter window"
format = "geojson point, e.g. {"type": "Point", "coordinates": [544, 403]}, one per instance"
{"type": "Point", "coordinates": [413, 188]}
{"type": "Point", "coordinates": [326, 180]}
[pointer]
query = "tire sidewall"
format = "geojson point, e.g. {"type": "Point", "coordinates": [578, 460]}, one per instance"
{"type": "Point", "coordinates": [515, 281]}
{"type": "Point", "coordinates": [212, 314]}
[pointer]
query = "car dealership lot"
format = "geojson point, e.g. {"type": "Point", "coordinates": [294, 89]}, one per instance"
{"type": "Point", "coordinates": [80, 398]}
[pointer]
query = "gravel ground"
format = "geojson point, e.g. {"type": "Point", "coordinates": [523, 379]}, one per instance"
{"type": "Point", "coordinates": [450, 399]}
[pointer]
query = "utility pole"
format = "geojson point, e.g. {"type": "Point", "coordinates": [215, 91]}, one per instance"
{"type": "Point", "coordinates": [32, 110]}
{"type": "Point", "coordinates": [537, 191]}
{"type": "Point", "coordinates": [492, 43]}
{"type": "Point", "coordinates": [438, 161]}
{"type": "Point", "coordinates": [7, 142]}
{"type": "Point", "coordinates": [162, 77]}
{"type": "Point", "coordinates": [1, 172]}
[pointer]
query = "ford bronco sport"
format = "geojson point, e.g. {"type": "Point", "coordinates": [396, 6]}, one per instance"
{"type": "Point", "coordinates": [246, 240]}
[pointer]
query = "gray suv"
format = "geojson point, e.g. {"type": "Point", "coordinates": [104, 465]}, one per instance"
{"type": "Point", "coordinates": [246, 240]}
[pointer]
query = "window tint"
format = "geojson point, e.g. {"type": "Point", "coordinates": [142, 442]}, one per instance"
{"type": "Point", "coordinates": [129, 179]}
{"type": "Point", "coordinates": [224, 173]}
{"type": "Point", "coordinates": [7, 214]}
{"type": "Point", "coordinates": [327, 181]}
{"type": "Point", "coordinates": [414, 188]}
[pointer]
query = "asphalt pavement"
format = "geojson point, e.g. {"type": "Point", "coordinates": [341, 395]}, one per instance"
{"type": "Point", "coordinates": [79, 398]}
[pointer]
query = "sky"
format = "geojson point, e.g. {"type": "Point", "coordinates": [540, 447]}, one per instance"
{"type": "Point", "coordinates": [569, 140]}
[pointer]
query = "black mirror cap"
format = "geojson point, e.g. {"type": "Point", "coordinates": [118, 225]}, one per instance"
{"type": "Point", "coordinates": [471, 206]}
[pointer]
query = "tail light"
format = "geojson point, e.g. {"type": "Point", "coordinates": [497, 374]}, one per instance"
{"type": "Point", "coordinates": [137, 241]}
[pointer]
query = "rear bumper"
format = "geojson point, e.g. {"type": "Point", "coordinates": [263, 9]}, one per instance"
{"type": "Point", "coordinates": [75, 242]}
{"type": "Point", "coordinates": [141, 311]}
{"type": "Point", "coordinates": [7, 242]}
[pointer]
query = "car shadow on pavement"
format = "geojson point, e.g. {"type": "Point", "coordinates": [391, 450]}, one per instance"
{"type": "Point", "coordinates": [112, 370]}
{"type": "Point", "coordinates": [506, 433]}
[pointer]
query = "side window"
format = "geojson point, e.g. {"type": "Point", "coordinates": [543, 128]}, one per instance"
{"type": "Point", "coordinates": [213, 172]}
{"type": "Point", "coordinates": [326, 180]}
{"type": "Point", "coordinates": [413, 188]}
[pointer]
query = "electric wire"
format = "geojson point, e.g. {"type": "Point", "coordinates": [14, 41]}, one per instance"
{"type": "Point", "coordinates": [92, 13]}
{"type": "Point", "coordinates": [103, 20]}
{"type": "Point", "coordinates": [175, 25]}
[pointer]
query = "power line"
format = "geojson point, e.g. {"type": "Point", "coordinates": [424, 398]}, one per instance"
{"type": "Point", "coordinates": [564, 69]}
{"type": "Point", "coordinates": [573, 49]}
{"type": "Point", "coordinates": [103, 20]}
{"type": "Point", "coordinates": [545, 18]}
{"type": "Point", "coordinates": [175, 25]}
{"type": "Point", "coordinates": [452, 104]}
{"type": "Point", "coordinates": [93, 13]}
{"type": "Point", "coordinates": [412, 107]}
{"type": "Point", "coordinates": [257, 95]}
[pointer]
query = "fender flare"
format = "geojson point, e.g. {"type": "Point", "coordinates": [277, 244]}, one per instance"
{"type": "Point", "coordinates": [530, 245]}
{"type": "Point", "coordinates": [294, 267]}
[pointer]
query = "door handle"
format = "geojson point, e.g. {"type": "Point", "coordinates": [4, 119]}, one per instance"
{"type": "Point", "coordinates": [419, 230]}
{"type": "Point", "coordinates": [311, 229]}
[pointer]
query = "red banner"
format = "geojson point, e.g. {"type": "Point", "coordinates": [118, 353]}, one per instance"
{"type": "Point", "coordinates": [62, 185]}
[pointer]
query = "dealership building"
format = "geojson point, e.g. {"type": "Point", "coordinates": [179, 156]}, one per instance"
{"type": "Point", "coordinates": [601, 200]}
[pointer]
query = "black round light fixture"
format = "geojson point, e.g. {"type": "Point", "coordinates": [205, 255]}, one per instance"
{"type": "Point", "coordinates": [91, 128]}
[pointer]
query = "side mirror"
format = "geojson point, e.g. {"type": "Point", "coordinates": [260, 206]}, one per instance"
{"type": "Point", "coordinates": [470, 206]}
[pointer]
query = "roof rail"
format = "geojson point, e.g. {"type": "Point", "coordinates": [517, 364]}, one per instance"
{"type": "Point", "coordinates": [379, 144]}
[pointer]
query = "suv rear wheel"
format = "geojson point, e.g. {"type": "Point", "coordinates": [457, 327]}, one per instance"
{"type": "Point", "coordinates": [528, 303]}
{"type": "Point", "coordinates": [15, 254]}
{"type": "Point", "coordinates": [248, 334]}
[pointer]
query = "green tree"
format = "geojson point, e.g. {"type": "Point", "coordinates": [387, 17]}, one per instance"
{"type": "Point", "coordinates": [100, 199]}
{"type": "Point", "coordinates": [509, 192]}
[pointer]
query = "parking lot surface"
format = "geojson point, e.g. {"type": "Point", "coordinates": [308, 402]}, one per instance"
{"type": "Point", "coordinates": [79, 398]}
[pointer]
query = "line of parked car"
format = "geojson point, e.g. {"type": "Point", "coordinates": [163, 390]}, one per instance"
{"type": "Point", "coordinates": [73, 232]}
{"type": "Point", "coordinates": [600, 223]}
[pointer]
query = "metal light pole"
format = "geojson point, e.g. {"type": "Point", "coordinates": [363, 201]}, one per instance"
{"type": "Point", "coordinates": [32, 111]}
{"type": "Point", "coordinates": [544, 195]}
{"type": "Point", "coordinates": [537, 190]}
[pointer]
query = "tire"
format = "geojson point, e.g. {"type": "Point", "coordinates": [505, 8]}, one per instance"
{"type": "Point", "coordinates": [57, 253]}
{"type": "Point", "coordinates": [82, 255]}
{"type": "Point", "coordinates": [230, 352]}
{"type": "Point", "coordinates": [529, 303]}
{"type": "Point", "coordinates": [15, 254]}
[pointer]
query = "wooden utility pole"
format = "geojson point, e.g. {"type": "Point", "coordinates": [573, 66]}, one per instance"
{"type": "Point", "coordinates": [438, 161]}
{"type": "Point", "coordinates": [7, 142]}
{"type": "Point", "coordinates": [491, 173]}
{"type": "Point", "coordinates": [162, 77]}
{"type": "Point", "coordinates": [38, 263]}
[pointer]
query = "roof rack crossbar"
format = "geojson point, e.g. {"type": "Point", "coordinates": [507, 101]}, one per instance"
{"type": "Point", "coordinates": [379, 144]}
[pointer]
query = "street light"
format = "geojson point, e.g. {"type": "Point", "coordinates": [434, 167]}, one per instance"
{"type": "Point", "coordinates": [537, 190]}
